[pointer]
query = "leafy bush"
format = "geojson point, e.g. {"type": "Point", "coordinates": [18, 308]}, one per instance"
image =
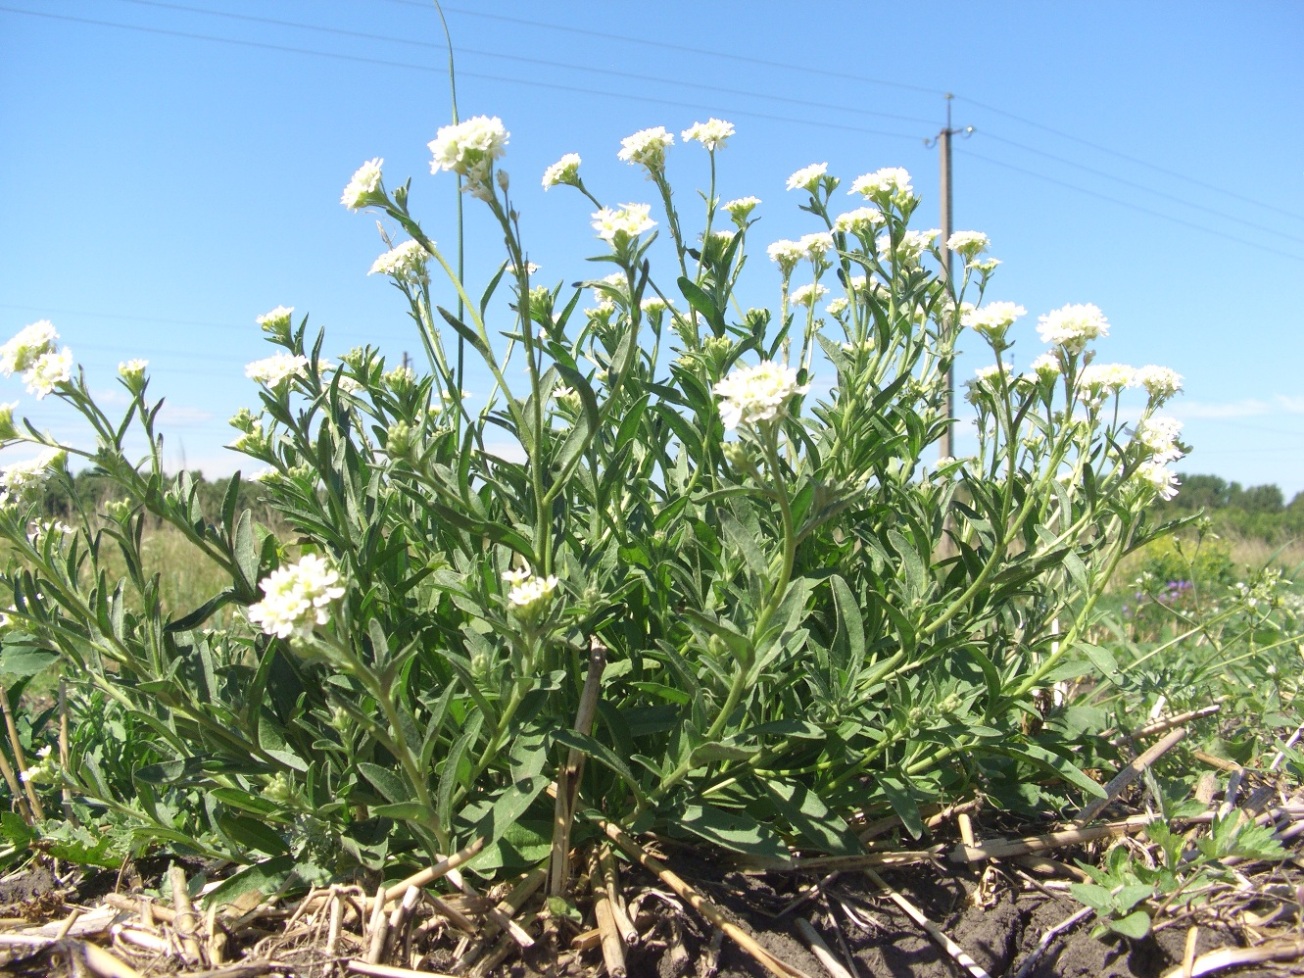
{"type": "Point", "coordinates": [693, 544]}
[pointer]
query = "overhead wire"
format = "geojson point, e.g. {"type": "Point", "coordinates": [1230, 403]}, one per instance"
{"type": "Point", "coordinates": [1135, 207]}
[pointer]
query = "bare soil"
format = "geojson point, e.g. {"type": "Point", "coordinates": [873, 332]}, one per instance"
{"type": "Point", "coordinates": [995, 916]}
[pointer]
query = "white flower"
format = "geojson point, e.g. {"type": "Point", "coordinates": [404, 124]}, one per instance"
{"type": "Point", "coordinates": [629, 221]}
{"type": "Point", "coordinates": [1157, 477]}
{"type": "Point", "coordinates": [1098, 377]}
{"type": "Point", "coordinates": [518, 576]}
{"type": "Point", "coordinates": [1158, 434]}
{"type": "Point", "coordinates": [741, 208]}
{"type": "Point", "coordinates": [808, 295]}
{"type": "Point", "coordinates": [786, 254]}
{"type": "Point", "coordinates": [647, 147]}
{"type": "Point", "coordinates": [988, 375]}
{"type": "Point", "coordinates": [654, 303]}
{"type": "Point", "coordinates": [364, 182]}
{"type": "Point", "coordinates": [808, 177]}
{"type": "Point", "coordinates": [1044, 367]}
{"type": "Point", "coordinates": [1160, 382]}
{"type": "Point", "coordinates": [48, 371]}
{"type": "Point", "coordinates": [909, 248]}
{"type": "Point", "coordinates": [277, 320]}
{"type": "Point", "coordinates": [30, 343]}
{"type": "Point", "coordinates": [1072, 326]}
{"type": "Point", "coordinates": [565, 171]}
{"type": "Point", "coordinates": [816, 244]}
{"type": "Point", "coordinates": [132, 371]}
{"type": "Point", "coordinates": [837, 307]}
{"type": "Point", "coordinates": [24, 478]}
{"type": "Point", "coordinates": [760, 393]}
{"type": "Point", "coordinates": [529, 593]}
{"type": "Point", "coordinates": [297, 597]}
{"type": "Point", "coordinates": [993, 319]}
{"type": "Point", "coordinates": [713, 134]}
{"type": "Point", "coordinates": [892, 183]}
{"type": "Point", "coordinates": [862, 220]}
{"type": "Point", "coordinates": [469, 148]}
{"type": "Point", "coordinates": [984, 265]}
{"type": "Point", "coordinates": [968, 243]}
{"type": "Point", "coordinates": [405, 262]}
{"type": "Point", "coordinates": [274, 371]}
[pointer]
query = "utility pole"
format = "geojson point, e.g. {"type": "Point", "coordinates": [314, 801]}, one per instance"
{"type": "Point", "coordinates": [944, 145]}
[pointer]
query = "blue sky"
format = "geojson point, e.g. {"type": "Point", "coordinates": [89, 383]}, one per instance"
{"type": "Point", "coordinates": [173, 170]}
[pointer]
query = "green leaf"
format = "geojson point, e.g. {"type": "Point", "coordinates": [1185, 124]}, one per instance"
{"type": "Point", "coordinates": [24, 660]}
{"type": "Point", "coordinates": [902, 800]}
{"type": "Point", "coordinates": [390, 785]}
{"type": "Point", "coordinates": [807, 813]}
{"type": "Point", "coordinates": [263, 879]}
{"type": "Point", "coordinates": [703, 303]}
{"type": "Point", "coordinates": [1134, 925]}
{"type": "Point", "coordinates": [601, 753]}
{"type": "Point", "coordinates": [507, 808]}
{"type": "Point", "coordinates": [715, 751]}
{"type": "Point", "coordinates": [1048, 760]}
{"type": "Point", "coordinates": [732, 830]}
{"type": "Point", "coordinates": [1098, 898]}
{"type": "Point", "coordinates": [250, 833]}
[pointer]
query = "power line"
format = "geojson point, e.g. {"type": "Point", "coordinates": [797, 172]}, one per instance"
{"type": "Point", "coordinates": [1130, 206]}
{"type": "Point", "coordinates": [542, 62]}
{"type": "Point", "coordinates": [262, 45]}
{"type": "Point", "coordinates": [1275, 208]}
{"type": "Point", "coordinates": [1143, 187]}
{"type": "Point", "coordinates": [713, 53]}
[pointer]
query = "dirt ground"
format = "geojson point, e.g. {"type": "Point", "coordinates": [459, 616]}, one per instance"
{"type": "Point", "coordinates": [994, 917]}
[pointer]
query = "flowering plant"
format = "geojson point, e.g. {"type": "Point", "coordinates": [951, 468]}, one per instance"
{"type": "Point", "coordinates": [712, 535]}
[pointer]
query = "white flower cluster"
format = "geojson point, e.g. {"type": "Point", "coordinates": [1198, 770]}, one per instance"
{"type": "Point", "coordinates": [968, 244]}
{"type": "Point", "coordinates": [25, 478]}
{"type": "Point", "coordinates": [862, 220]}
{"type": "Point", "coordinates": [565, 171]}
{"type": "Point", "coordinates": [1073, 326]}
{"type": "Point", "coordinates": [808, 177]}
{"type": "Point", "coordinates": [297, 597]}
{"type": "Point", "coordinates": [647, 148]}
{"type": "Point", "coordinates": [133, 371]}
{"type": "Point", "coordinates": [405, 262]}
{"type": "Point", "coordinates": [741, 208]}
{"type": "Point", "coordinates": [808, 295]}
{"type": "Point", "coordinates": [469, 149]}
{"type": "Point", "coordinates": [1160, 383]}
{"type": "Point", "coordinates": [911, 245]}
{"type": "Point", "coordinates": [1096, 378]}
{"type": "Point", "coordinates": [888, 185]}
{"type": "Point", "coordinates": [275, 371]}
{"type": "Point", "coordinates": [528, 593]}
{"type": "Point", "coordinates": [753, 394]}
{"type": "Point", "coordinates": [362, 185]}
{"type": "Point", "coordinates": [277, 320]}
{"type": "Point", "coordinates": [33, 352]}
{"type": "Point", "coordinates": [713, 134]}
{"type": "Point", "coordinates": [619, 225]}
{"type": "Point", "coordinates": [1158, 434]}
{"type": "Point", "coordinates": [993, 319]}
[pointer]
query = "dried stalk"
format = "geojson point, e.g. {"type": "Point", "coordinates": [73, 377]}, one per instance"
{"type": "Point", "coordinates": [611, 880]}
{"type": "Point", "coordinates": [186, 922]}
{"type": "Point", "coordinates": [1001, 848]}
{"type": "Point", "coordinates": [389, 971]}
{"type": "Point", "coordinates": [568, 779]}
{"type": "Point", "coordinates": [821, 950]}
{"type": "Point", "coordinates": [957, 953]}
{"type": "Point", "coordinates": [1030, 962]}
{"type": "Point", "coordinates": [33, 802]}
{"type": "Point", "coordinates": [432, 873]}
{"type": "Point", "coordinates": [1235, 957]}
{"type": "Point", "coordinates": [1129, 774]}
{"type": "Point", "coordinates": [740, 935]}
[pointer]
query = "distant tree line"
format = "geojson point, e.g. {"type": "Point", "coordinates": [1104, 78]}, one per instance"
{"type": "Point", "coordinates": [95, 490]}
{"type": "Point", "coordinates": [1259, 512]}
